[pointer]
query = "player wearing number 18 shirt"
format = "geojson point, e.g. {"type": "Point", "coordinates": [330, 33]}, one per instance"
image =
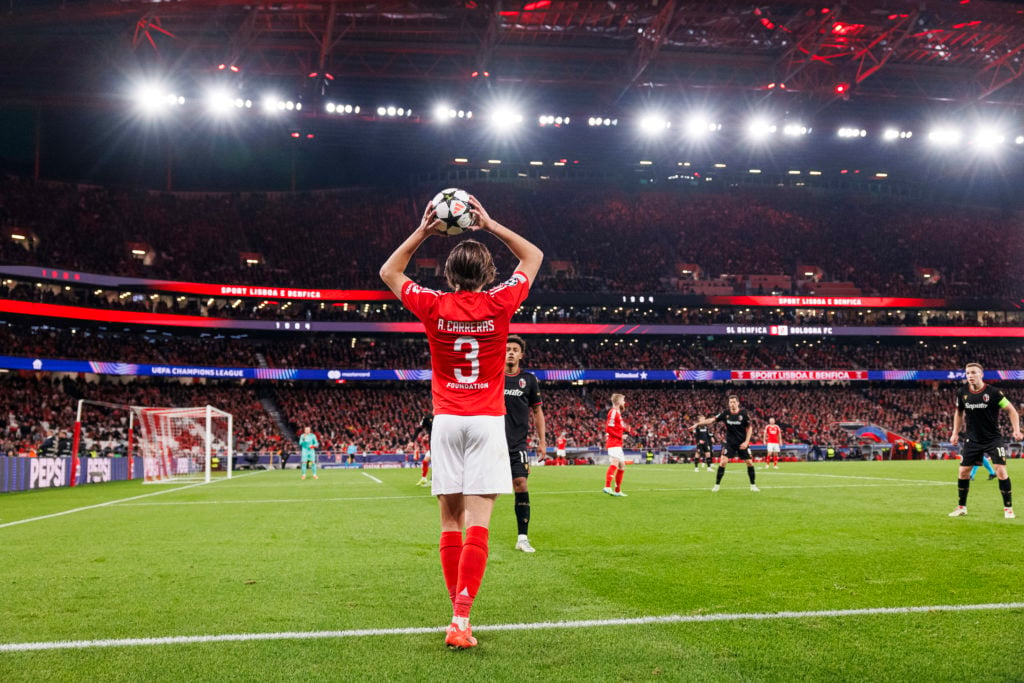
{"type": "Point", "coordinates": [977, 407]}
{"type": "Point", "coordinates": [466, 329]}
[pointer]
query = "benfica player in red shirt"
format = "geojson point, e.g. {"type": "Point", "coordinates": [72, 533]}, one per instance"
{"type": "Point", "coordinates": [466, 329]}
{"type": "Point", "coordinates": [614, 427]}
{"type": "Point", "coordinates": [773, 442]}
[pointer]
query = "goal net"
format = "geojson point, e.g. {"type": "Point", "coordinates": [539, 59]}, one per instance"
{"type": "Point", "coordinates": [184, 444]}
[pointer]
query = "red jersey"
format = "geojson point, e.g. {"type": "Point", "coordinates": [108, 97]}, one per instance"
{"type": "Point", "coordinates": [772, 434]}
{"type": "Point", "coordinates": [467, 332]}
{"type": "Point", "coordinates": [560, 443]}
{"type": "Point", "coordinates": [613, 428]}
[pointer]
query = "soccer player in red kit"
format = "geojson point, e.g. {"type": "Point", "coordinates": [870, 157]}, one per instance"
{"type": "Point", "coordinates": [773, 442]}
{"type": "Point", "coordinates": [466, 330]}
{"type": "Point", "coordinates": [560, 444]}
{"type": "Point", "coordinates": [613, 428]}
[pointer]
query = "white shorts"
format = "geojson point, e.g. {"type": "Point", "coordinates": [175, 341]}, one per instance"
{"type": "Point", "coordinates": [469, 455]}
{"type": "Point", "coordinates": [560, 453]}
{"type": "Point", "coordinates": [773, 447]}
{"type": "Point", "coordinates": [615, 453]}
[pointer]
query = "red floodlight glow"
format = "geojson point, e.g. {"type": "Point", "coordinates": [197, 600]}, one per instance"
{"type": "Point", "coordinates": [295, 134]}
{"type": "Point", "coordinates": [843, 29]}
{"type": "Point", "coordinates": [221, 67]}
{"type": "Point", "coordinates": [841, 88]}
{"type": "Point", "coordinates": [310, 136]}
{"type": "Point", "coordinates": [312, 74]}
{"type": "Point", "coordinates": [534, 6]}
{"type": "Point", "coordinates": [234, 69]}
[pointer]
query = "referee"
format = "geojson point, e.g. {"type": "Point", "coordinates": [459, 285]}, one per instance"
{"type": "Point", "coordinates": [522, 397]}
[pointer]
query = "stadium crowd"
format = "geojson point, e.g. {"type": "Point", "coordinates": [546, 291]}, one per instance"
{"type": "Point", "coordinates": [610, 239]}
{"type": "Point", "coordinates": [386, 418]}
{"type": "Point", "coordinates": [403, 352]}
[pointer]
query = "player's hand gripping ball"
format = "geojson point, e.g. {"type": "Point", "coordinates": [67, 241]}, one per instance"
{"type": "Point", "coordinates": [453, 210]}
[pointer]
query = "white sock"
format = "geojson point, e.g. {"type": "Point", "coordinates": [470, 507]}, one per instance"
{"type": "Point", "coordinates": [522, 537]}
{"type": "Point", "coordinates": [461, 623]}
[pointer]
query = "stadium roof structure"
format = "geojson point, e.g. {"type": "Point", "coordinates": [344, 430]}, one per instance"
{"type": "Point", "coordinates": [600, 53]}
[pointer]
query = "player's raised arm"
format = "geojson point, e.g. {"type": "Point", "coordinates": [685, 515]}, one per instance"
{"type": "Point", "coordinates": [393, 270]}
{"type": "Point", "coordinates": [703, 423]}
{"type": "Point", "coordinates": [529, 255]}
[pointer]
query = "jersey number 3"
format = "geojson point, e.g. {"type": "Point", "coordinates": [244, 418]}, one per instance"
{"type": "Point", "coordinates": [472, 355]}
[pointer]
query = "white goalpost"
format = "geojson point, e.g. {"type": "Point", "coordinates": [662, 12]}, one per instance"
{"type": "Point", "coordinates": [176, 444]}
{"type": "Point", "coordinates": [184, 444]}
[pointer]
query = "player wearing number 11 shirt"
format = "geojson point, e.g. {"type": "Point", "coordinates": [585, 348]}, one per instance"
{"type": "Point", "coordinates": [466, 329]}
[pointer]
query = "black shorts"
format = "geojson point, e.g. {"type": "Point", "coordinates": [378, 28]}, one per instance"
{"type": "Point", "coordinates": [974, 453]}
{"type": "Point", "coordinates": [703, 448]}
{"type": "Point", "coordinates": [520, 464]}
{"type": "Point", "coordinates": [729, 451]}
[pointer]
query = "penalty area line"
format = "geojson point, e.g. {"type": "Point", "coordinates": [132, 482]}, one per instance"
{"type": "Point", "coordinates": [536, 626]}
{"type": "Point", "coordinates": [370, 476]}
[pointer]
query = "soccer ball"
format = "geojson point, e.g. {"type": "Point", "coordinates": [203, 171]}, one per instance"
{"type": "Point", "coordinates": [453, 210]}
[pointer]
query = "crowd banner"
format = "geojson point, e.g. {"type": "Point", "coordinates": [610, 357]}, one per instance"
{"type": "Point", "coordinates": [96, 367]}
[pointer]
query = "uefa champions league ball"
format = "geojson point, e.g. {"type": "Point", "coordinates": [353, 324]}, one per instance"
{"type": "Point", "coordinates": [453, 210]}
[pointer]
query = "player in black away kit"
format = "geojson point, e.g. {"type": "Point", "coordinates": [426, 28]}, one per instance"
{"type": "Point", "coordinates": [427, 426]}
{"type": "Point", "coordinates": [977, 408]}
{"type": "Point", "coordinates": [522, 397]}
{"type": "Point", "coordinates": [737, 440]}
{"type": "Point", "coordinates": [702, 436]}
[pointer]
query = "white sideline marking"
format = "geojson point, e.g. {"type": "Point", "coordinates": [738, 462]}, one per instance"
{"type": "Point", "coordinates": [109, 503]}
{"type": "Point", "coordinates": [536, 626]}
{"type": "Point", "coordinates": [370, 476]}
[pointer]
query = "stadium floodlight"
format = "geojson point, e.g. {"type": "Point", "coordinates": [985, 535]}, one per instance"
{"type": "Point", "coordinates": [272, 104]}
{"type": "Point", "coordinates": [891, 134]}
{"type": "Point", "coordinates": [505, 118]}
{"type": "Point", "coordinates": [988, 138]}
{"type": "Point", "coordinates": [944, 136]}
{"type": "Point", "coordinates": [759, 129]}
{"type": "Point", "coordinates": [1019, 140]}
{"type": "Point", "coordinates": [444, 112]}
{"type": "Point", "coordinates": [219, 102]}
{"type": "Point", "coordinates": [699, 126]}
{"type": "Point", "coordinates": [851, 132]}
{"type": "Point", "coordinates": [155, 99]}
{"type": "Point", "coordinates": [654, 124]}
{"type": "Point", "coordinates": [545, 120]}
{"type": "Point", "coordinates": [795, 130]}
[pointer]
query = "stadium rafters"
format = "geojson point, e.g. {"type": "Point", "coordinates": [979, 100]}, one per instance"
{"type": "Point", "coordinates": [588, 51]}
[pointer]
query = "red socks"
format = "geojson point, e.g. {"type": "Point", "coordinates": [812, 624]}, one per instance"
{"type": "Point", "coordinates": [618, 479]}
{"type": "Point", "coordinates": [472, 564]}
{"type": "Point", "coordinates": [612, 469]}
{"type": "Point", "coordinates": [425, 468]}
{"type": "Point", "coordinates": [451, 552]}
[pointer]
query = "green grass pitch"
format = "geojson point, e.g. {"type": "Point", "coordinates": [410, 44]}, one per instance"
{"type": "Point", "coordinates": [745, 584]}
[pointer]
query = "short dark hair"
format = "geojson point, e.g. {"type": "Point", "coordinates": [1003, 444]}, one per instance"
{"type": "Point", "coordinates": [974, 365]}
{"type": "Point", "coordinates": [470, 266]}
{"type": "Point", "coordinates": [732, 396]}
{"type": "Point", "coordinates": [516, 339]}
